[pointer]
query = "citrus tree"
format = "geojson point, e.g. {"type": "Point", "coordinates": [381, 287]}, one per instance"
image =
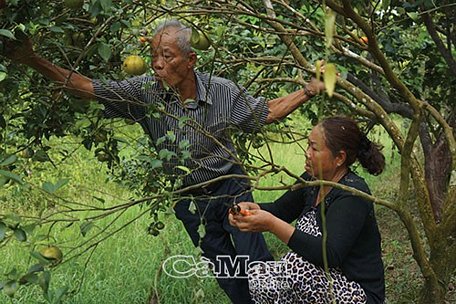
{"type": "Point", "coordinates": [394, 57]}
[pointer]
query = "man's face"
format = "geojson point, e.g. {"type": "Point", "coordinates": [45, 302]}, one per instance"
{"type": "Point", "coordinates": [168, 62]}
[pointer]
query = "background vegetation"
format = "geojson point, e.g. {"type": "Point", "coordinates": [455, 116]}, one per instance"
{"type": "Point", "coordinates": [398, 77]}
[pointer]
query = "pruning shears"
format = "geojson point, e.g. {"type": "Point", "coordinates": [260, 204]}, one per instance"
{"type": "Point", "coordinates": [235, 209]}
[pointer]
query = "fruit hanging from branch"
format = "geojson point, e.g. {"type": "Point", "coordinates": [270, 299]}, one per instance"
{"type": "Point", "coordinates": [52, 253]}
{"type": "Point", "coordinates": [199, 40]}
{"type": "Point", "coordinates": [134, 65]}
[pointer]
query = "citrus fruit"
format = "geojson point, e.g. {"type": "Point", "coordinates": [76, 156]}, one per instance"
{"type": "Point", "coordinates": [364, 39]}
{"type": "Point", "coordinates": [10, 288]}
{"type": "Point", "coordinates": [159, 225]}
{"type": "Point", "coordinates": [78, 39]}
{"type": "Point", "coordinates": [199, 40]}
{"type": "Point", "coordinates": [52, 253]}
{"type": "Point", "coordinates": [134, 65]}
{"type": "Point", "coordinates": [26, 153]}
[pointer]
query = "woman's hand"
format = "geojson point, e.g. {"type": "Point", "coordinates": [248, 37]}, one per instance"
{"type": "Point", "coordinates": [243, 208]}
{"type": "Point", "coordinates": [251, 218]}
{"type": "Point", "coordinates": [256, 220]}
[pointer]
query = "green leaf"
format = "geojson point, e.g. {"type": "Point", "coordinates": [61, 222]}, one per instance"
{"type": "Point", "coordinates": [386, 4]}
{"type": "Point", "coordinates": [12, 176]}
{"type": "Point", "coordinates": [59, 294]}
{"type": "Point", "coordinates": [3, 76]}
{"type": "Point", "coordinates": [35, 268]}
{"type": "Point", "coordinates": [85, 227]}
{"type": "Point", "coordinates": [201, 230]}
{"type": "Point", "coordinates": [44, 280]}
{"type": "Point", "coordinates": [20, 235]}
{"type": "Point", "coordinates": [41, 156]}
{"type": "Point", "coordinates": [104, 50]}
{"type": "Point", "coordinates": [183, 168]}
{"type": "Point", "coordinates": [192, 207]}
{"type": "Point", "coordinates": [8, 161]}
{"type": "Point", "coordinates": [7, 34]}
{"type": "Point", "coordinates": [42, 260]}
{"type": "Point", "coordinates": [10, 288]}
{"type": "Point", "coordinates": [330, 78]}
{"type": "Point", "coordinates": [171, 136]}
{"type": "Point", "coordinates": [318, 69]}
{"type": "Point", "coordinates": [101, 200]}
{"type": "Point", "coordinates": [106, 5]}
{"type": "Point", "coordinates": [56, 29]}
{"type": "Point", "coordinates": [2, 231]}
{"type": "Point", "coordinates": [156, 163]}
{"type": "Point", "coordinates": [29, 278]}
{"type": "Point", "coordinates": [330, 20]}
{"type": "Point", "coordinates": [161, 140]}
{"type": "Point", "coordinates": [51, 188]}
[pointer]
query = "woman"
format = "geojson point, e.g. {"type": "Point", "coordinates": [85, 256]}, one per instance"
{"type": "Point", "coordinates": [353, 240]}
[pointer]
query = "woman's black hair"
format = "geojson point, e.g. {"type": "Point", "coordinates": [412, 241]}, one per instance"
{"type": "Point", "coordinates": [343, 134]}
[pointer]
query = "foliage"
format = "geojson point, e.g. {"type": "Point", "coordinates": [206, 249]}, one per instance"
{"type": "Point", "coordinates": [393, 57]}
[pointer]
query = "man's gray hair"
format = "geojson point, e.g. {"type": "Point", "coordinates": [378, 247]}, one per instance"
{"type": "Point", "coordinates": [184, 33]}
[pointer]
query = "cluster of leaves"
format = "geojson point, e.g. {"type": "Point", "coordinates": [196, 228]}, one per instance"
{"type": "Point", "coordinates": [14, 228]}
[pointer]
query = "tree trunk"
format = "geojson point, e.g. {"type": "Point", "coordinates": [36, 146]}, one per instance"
{"type": "Point", "coordinates": [437, 173]}
{"type": "Point", "coordinates": [430, 294]}
{"type": "Point", "coordinates": [442, 263]}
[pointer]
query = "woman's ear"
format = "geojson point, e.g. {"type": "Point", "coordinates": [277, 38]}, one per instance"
{"type": "Point", "coordinates": [341, 157]}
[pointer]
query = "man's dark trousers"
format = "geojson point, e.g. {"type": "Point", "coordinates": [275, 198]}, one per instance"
{"type": "Point", "coordinates": [221, 239]}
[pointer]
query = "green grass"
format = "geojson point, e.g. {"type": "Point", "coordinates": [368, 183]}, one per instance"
{"type": "Point", "coordinates": [126, 268]}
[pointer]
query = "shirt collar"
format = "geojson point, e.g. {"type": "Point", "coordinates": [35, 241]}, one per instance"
{"type": "Point", "coordinates": [202, 94]}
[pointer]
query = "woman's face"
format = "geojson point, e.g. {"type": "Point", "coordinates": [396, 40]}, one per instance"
{"type": "Point", "coordinates": [320, 162]}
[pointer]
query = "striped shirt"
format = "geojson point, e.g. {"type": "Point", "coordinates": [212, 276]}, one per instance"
{"type": "Point", "coordinates": [194, 134]}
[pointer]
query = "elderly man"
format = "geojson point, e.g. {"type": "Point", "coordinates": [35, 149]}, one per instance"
{"type": "Point", "coordinates": [212, 105]}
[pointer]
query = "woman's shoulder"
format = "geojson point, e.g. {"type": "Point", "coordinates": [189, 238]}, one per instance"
{"type": "Point", "coordinates": [353, 180]}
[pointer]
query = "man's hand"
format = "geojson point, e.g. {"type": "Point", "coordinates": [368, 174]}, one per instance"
{"type": "Point", "coordinates": [314, 87]}
{"type": "Point", "coordinates": [19, 51]}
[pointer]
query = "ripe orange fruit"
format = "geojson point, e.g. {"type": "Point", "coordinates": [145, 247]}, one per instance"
{"type": "Point", "coordinates": [134, 65]}
{"type": "Point", "coordinates": [364, 40]}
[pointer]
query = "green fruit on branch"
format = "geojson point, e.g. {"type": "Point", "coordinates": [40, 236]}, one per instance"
{"type": "Point", "coordinates": [134, 65]}
{"type": "Point", "coordinates": [10, 288]}
{"type": "Point", "coordinates": [102, 156]}
{"type": "Point", "coordinates": [199, 40]}
{"type": "Point", "coordinates": [73, 4]}
{"type": "Point", "coordinates": [78, 39]}
{"type": "Point", "coordinates": [159, 225]}
{"type": "Point", "coordinates": [26, 153]}
{"type": "Point", "coordinates": [52, 253]}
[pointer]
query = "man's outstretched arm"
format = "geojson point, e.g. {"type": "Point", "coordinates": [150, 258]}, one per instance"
{"type": "Point", "coordinates": [282, 106]}
{"type": "Point", "coordinates": [22, 52]}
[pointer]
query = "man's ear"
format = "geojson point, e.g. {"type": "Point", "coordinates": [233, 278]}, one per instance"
{"type": "Point", "coordinates": [192, 59]}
